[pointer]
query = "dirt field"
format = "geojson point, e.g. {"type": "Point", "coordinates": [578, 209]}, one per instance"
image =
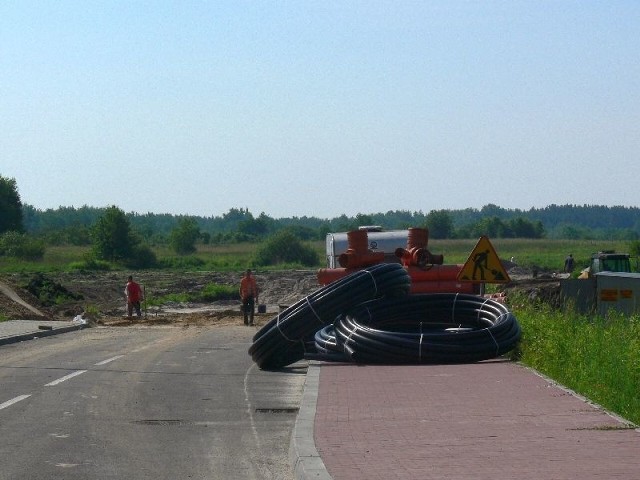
{"type": "Point", "coordinates": [102, 293]}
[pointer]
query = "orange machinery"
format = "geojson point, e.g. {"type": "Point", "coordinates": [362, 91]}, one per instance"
{"type": "Point", "coordinates": [427, 271]}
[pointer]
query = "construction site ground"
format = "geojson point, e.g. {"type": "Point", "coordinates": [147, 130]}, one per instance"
{"type": "Point", "coordinates": [100, 295]}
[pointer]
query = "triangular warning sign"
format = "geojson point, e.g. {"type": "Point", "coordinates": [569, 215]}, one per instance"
{"type": "Point", "coordinates": [483, 265]}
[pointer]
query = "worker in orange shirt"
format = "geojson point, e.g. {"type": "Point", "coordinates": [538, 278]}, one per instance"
{"type": "Point", "coordinates": [249, 296]}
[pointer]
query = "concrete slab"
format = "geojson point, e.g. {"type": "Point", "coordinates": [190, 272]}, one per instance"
{"type": "Point", "coordinates": [12, 331]}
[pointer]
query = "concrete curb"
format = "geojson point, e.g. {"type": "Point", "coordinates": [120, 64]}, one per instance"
{"type": "Point", "coordinates": [305, 459]}
{"type": "Point", "coordinates": [39, 334]}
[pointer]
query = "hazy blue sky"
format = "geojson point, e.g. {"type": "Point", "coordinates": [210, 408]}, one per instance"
{"type": "Point", "coordinates": [320, 108]}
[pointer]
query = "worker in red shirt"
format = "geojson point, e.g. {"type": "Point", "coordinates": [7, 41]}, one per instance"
{"type": "Point", "coordinates": [133, 292]}
{"type": "Point", "coordinates": [249, 296]}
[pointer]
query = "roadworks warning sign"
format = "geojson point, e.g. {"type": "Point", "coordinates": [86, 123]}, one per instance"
{"type": "Point", "coordinates": [483, 265]}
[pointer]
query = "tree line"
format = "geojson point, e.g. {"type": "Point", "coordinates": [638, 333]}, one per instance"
{"type": "Point", "coordinates": [587, 222]}
{"type": "Point", "coordinates": [26, 231]}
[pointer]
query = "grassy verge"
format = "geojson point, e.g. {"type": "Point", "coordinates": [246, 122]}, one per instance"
{"type": "Point", "coordinates": [598, 358]}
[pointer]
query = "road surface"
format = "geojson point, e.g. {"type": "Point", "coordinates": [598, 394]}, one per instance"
{"type": "Point", "coordinates": [145, 403]}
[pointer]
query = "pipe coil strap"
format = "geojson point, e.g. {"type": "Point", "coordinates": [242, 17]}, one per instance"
{"type": "Point", "coordinates": [280, 330]}
{"type": "Point", "coordinates": [375, 285]}
{"type": "Point", "coordinates": [313, 311]}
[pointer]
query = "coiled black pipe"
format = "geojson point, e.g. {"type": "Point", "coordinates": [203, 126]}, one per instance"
{"type": "Point", "coordinates": [326, 347]}
{"type": "Point", "coordinates": [424, 328]}
{"type": "Point", "coordinates": [287, 337]}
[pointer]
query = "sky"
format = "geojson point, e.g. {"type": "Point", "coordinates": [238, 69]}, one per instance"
{"type": "Point", "coordinates": [320, 108]}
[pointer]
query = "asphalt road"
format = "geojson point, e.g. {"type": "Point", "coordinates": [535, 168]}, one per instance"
{"type": "Point", "coordinates": [145, 403]}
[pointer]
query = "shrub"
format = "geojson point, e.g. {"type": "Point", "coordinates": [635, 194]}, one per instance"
{"type": "Point", "coordinates": [142, 257]}
{"type": "Point", "coordinates": [20, 245]}
{"type": "Point", "coordinates": [285, 247]}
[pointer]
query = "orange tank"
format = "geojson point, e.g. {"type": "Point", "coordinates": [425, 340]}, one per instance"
{"type": "Point", "coordinates": [434, 273]}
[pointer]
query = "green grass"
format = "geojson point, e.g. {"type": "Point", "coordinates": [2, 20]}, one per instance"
{"type": "Point", "coordinates": [547, 254]}
{"type": "Point", "coordinates": [211, 292]}
{"type": "Point", "coordinates": [596, 357]}
{"type": "Point", "coordinates": [221, 258]}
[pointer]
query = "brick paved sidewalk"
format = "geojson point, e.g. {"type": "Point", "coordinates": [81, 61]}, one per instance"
{"type": "Point", "coordinates": [491, 420]}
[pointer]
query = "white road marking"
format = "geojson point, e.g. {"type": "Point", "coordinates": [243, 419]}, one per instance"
{"type": "Point", "coordinates": [8, 403]}
{"type": "Point", "coordinates": [109, 360]}
{"type": "Point", "coordinates": [66, 377]}
{"type": "Point", "coordinates": [249, 406]}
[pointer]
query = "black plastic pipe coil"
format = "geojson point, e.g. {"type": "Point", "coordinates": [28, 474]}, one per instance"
{"type": "Point", "coordinates": [287, 337]}
{"type": "Point", "coordinates": [424, 328]}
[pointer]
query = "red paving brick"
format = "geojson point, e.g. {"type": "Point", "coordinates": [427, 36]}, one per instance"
{"type": "Point", "coordinates": [490, 420]}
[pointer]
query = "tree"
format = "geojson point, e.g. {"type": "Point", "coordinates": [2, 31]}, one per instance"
{"type": "Point", "coordinates": [440, 224]}
{"type": "Point", "coordinates": [183, 238]}
{"type": "Point", "coordinates": [254, 227]}
{"type": "Point", "coordinates": [10, 206]}
{"type": "Point", "coordinates": [363, 220]}
{"type": "Point", "coordinates": [523, 228]}
{"type": "Point", "coordinates": [233, 217]}
{"type": "Point", "coordinates": [112, 237]}
{"type": "Point", "coordinates": [492, 227]}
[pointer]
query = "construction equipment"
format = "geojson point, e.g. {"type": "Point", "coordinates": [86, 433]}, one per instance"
{"type": "Point", "coordinates": [367, 246]}
{"type": "Point", "coordinates": [607, 261]}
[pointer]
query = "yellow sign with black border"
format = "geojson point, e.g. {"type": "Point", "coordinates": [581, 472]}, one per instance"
{"type": "Point", "coordinates": [483, 265]}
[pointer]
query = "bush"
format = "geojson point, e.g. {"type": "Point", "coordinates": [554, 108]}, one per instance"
{"type": "Point", "coordinates": [142, 257]}
{"type": "Point", "coordinates": [285, 248]}
{"type": "Point", "coordinates": [20, 245]}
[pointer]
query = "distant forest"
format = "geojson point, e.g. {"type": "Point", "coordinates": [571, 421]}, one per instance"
{"type": "Point", "coordinates": [70, 225]}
